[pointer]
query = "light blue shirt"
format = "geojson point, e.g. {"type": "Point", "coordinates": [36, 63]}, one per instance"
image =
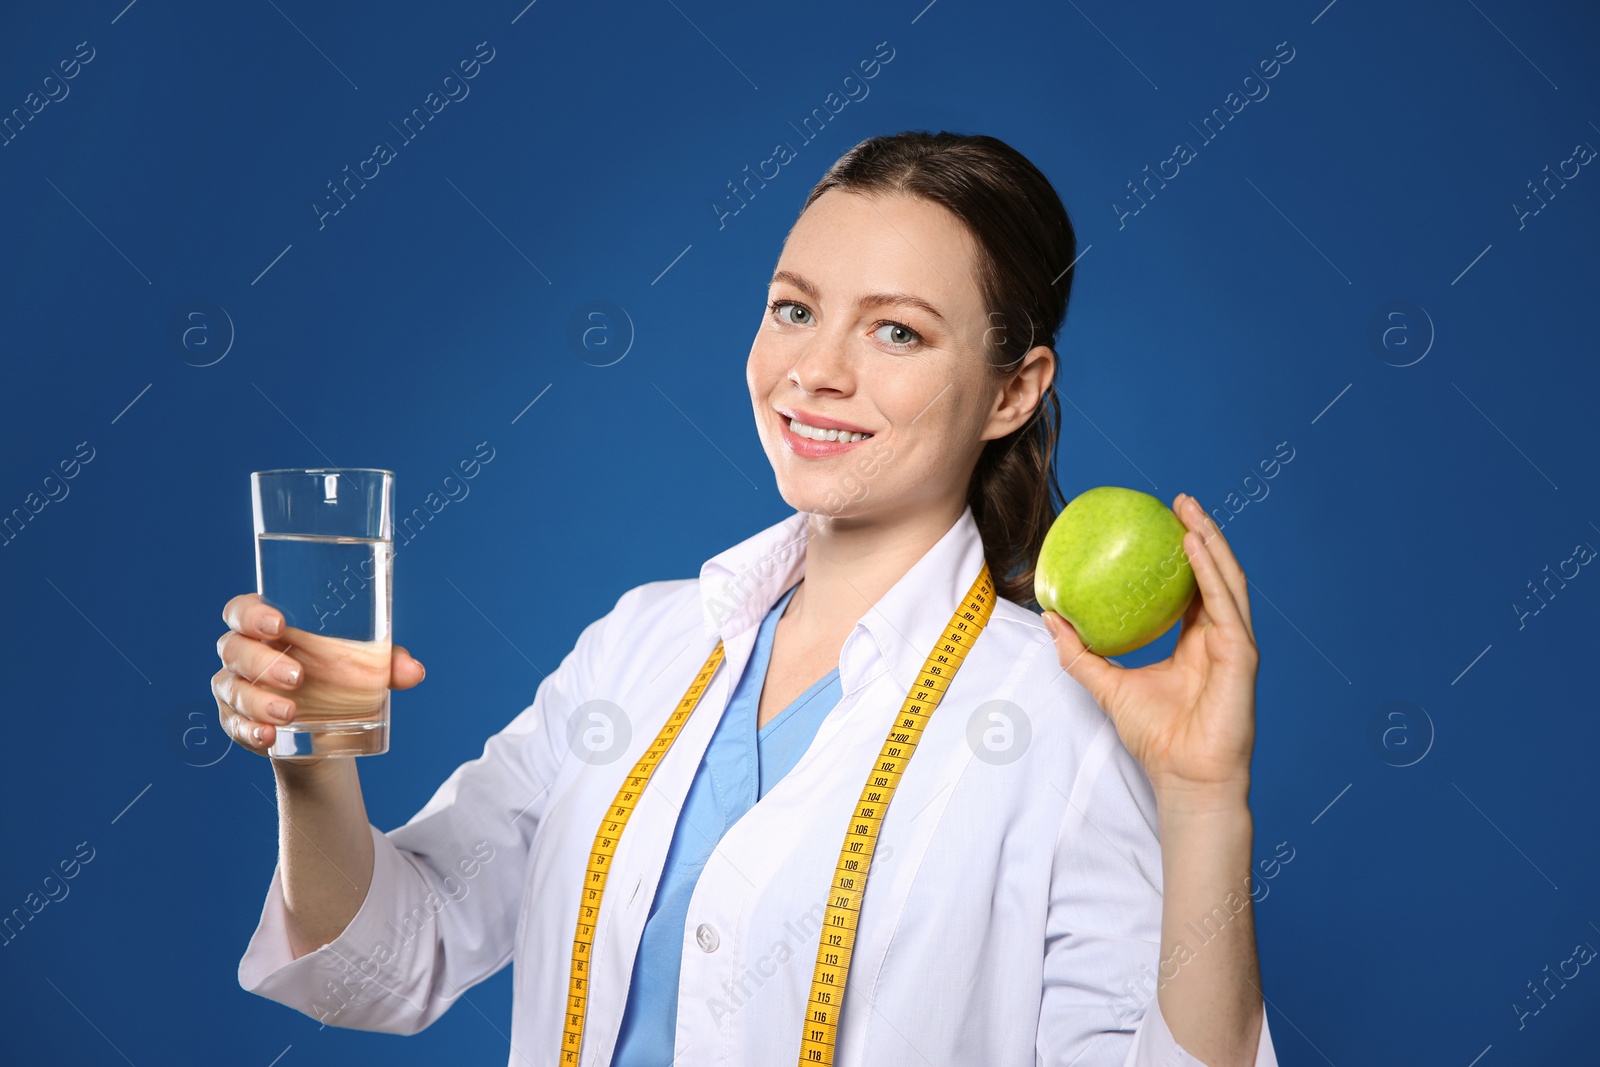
{"type": "Point", "coordinates": [741, 765]}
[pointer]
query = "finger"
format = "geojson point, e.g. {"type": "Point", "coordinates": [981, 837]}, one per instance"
{"type": "Point", "coordinates": [1191, 647]}
{"type": "Point", "coordinates": [1232, 573]}
{"type": "Point", "coordinates": [250, 734]}
{"type": "Point", "coordinates": [1092, 671]}
{"type": "Point", "coordinates": [404, 671]}
{"type": "Point", "coordinates": [257, 662]}
{"type": "Point", "coordinates": [253, 617]}
{"type": "Point", "coordinates": [1195, 614]}
{"type": "Point", "coordinates": [1196, 518]}
{"type": "Point", "coordinates": [1219, 602]}
{"type": "Point", "coordinates": [254, 702]}
{"type": "Point", "coordinates": [255, 736]}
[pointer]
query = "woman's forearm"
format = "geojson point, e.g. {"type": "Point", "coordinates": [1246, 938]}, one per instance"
{"type": "Point", "coordinates": [1209, 976]}
{"type": "Point", "coordinates": [324, 849]}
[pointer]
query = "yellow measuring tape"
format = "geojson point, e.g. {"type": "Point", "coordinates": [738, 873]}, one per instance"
{"type": "Point", "coordinates": [826, 1003]}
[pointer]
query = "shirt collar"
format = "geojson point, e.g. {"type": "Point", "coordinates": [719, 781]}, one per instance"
{"type": "Point", "coordinates": [739, 585]}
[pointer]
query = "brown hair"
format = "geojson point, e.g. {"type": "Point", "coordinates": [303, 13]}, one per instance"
{"type": "Point", "coordinates": [1025, 247]}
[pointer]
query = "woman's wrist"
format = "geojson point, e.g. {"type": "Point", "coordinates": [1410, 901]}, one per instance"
{"type": "Point", "coordinates": [1202, 800]}
{"type": "Point", "coordinates": [314, 776]}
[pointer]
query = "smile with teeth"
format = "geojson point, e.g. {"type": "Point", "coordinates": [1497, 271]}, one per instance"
{"type": "Point", "coordinates": [800, 429]}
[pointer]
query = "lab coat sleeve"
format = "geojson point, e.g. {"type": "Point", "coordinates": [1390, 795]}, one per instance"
{"type": "Point", "coordinates": [447, 887]}
{"type": "Point", "coordinates": [1099, 1006]}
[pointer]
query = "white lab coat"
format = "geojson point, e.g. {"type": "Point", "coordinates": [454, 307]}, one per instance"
{"type": "Point", "coordinates": [1012, 916]}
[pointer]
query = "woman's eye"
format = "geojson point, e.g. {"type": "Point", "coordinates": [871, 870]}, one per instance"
{"type": "Point", "coordinates": [782, 308]}
{"type": "Point", "coordinates": [898, 335]}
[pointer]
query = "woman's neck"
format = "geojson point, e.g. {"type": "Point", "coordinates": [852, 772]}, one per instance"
{"type": "Point", "coordinates": [850, 566]}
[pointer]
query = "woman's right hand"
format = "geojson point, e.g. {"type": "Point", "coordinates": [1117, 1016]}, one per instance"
{"type": "Point", "coordinates": [256, 685]}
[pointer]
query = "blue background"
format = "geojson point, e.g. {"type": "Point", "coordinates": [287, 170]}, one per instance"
{"type": "Point", "coordinates": [1231, 314]}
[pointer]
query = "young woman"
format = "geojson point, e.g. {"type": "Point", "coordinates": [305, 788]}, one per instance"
{"type": "Point", "coordinates": [687, 841]}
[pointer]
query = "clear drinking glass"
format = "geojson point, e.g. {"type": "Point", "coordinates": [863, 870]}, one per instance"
{"type": "Point", "coordinates": [325, 559]}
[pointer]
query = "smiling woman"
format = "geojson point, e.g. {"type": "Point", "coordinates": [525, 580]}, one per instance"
{"type": "Point", "coordinates": [910, 202]}
{"type": "Point", "coordinates": [897, 830]}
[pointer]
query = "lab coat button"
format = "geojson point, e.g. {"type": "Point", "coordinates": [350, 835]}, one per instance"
{"type": "Point", "coordinates": [706, 935]}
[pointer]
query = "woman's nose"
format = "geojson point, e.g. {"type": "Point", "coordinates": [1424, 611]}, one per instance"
{"type": "Point", "coordinates": [825, 363]}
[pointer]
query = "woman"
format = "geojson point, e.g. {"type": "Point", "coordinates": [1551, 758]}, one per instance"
{"type": "Point", "coordinates": [680, 885]}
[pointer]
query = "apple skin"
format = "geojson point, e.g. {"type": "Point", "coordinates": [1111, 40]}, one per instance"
{"type": "Point", "coordinates": [1113, 565]}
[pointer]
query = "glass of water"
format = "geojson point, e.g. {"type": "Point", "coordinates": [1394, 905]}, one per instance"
{"type": "Point", "coordinates": [325, 559]}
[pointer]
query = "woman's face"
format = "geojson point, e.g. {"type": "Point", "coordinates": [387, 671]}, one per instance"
{"type": "Point", "coordinates": [875, 321]}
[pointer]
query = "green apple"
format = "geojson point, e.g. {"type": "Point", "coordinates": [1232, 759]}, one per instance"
{"type": "Point", "coordinates": [1113, 565]}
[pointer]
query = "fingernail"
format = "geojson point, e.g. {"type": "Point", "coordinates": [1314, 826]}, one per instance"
{"type": "Point", "coordinates": [280, 710]}
{"type": "Point", "coordinates": [1049, 624]}
{"type": "Point", "coordinates": [256, 733]}
{"type": "Point", "coordinates": [269, 624]}
{"type": "Point", "coordinates": [288, 673]}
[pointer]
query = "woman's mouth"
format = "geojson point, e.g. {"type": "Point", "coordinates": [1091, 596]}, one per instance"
{"type": "Point", "coordinates": [816, 433]}
{"type": "Point", "coordinates": [814, 441]}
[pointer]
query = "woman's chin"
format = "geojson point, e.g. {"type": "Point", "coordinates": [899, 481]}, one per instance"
{"type": "Point", "coordinates": [818, 500]}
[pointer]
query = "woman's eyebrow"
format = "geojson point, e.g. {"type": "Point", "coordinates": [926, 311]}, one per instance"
{"type": "Point", "coordinates": [869, 300]}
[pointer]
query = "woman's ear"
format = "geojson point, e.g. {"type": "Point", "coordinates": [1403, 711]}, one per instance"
{"type": "Point", "coordinates": [1022, 392]}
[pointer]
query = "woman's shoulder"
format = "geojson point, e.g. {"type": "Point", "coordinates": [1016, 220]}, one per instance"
{"type": "Point", "coordinates": [670, 593]}
{"type": "Point", "coordinates": [1017, 634]}
{"type": "Point", "coordinates": [641, 619]}
{"type": "Point", "coordinates": [1017, 621]}
{"type": "Point", "coordinates": [1033, 666]}
{"type": "Point", "coordinates": [653, 603]}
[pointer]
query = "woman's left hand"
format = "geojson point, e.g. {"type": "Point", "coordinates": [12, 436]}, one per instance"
{"type": "Point", "coordinates": [1189, 719]}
